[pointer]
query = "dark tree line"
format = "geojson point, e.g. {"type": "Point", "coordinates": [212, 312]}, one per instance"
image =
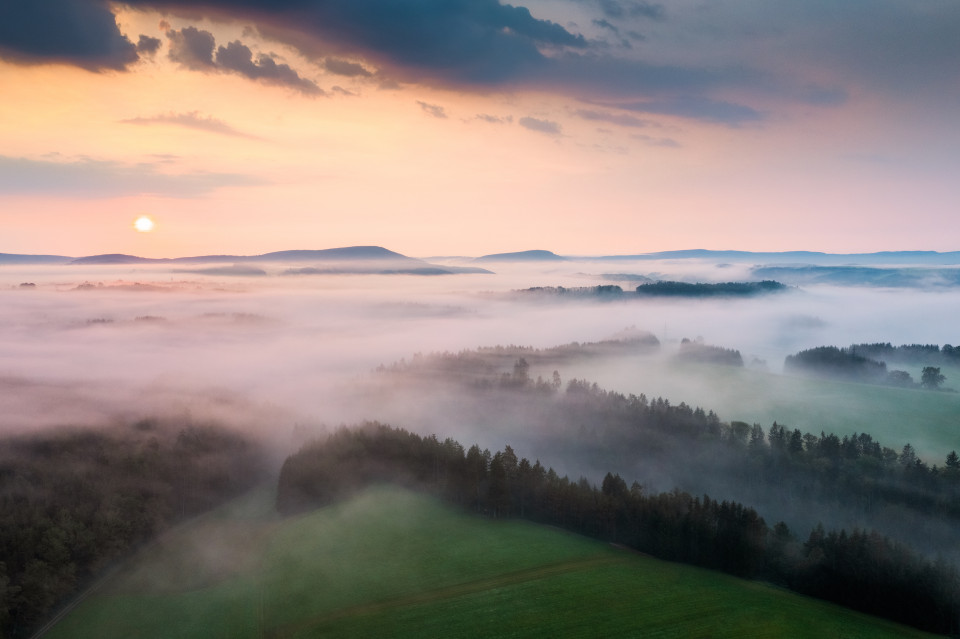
{"type": "Point", "coordinates": [698, 352]}
{"type": "Point", "coordinates": [724, 289]}
{"type": "Point", "coordinates": [862, 363]}
{"type": "Point", "coordinates": [858, 569]}
{"type": "Point", "coordinates": [483, 364]}
{"type": "Point", "coordinates": [662, 288]}
{"type": "Point", "coordinates": [799, 477]}
{"type": "Point", "coordinates": [853, 473]}
{"type": "Point", "coordinates": [838, 363]}
{"type": "Point", "coordinates": [909, 353]}
{"type": "Point", "coordinates": [601, 292]}
{"type": "Point", "coordinates": [73, 502]}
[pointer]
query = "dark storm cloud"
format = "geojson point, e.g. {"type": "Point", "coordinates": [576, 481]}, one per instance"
{"type": "Point", "coordinates": [540, 126]}
{"type": "Point", "coordinates": [148, 45]}
{"type": "Point", "coordinates": [347, 68]}
{"type": "Point", "coordinates": [605, 24]}
{"type": "Point", "coordinates": [598, 77]}
{"type": "Point", "coordinates": [79, 32]}
{"type": "Point", "coordinates": [698, 108]}
{"type": "Point", "coordinates": [96, 179]}
{"type": "Point", "coordinates": [193, 49]}
{"type": "Point", "coordinates": [898, 48]}
{"type": "Point", "coordinates": [465, 42]}
{"type": "Point", "coordinates": [238, 57]}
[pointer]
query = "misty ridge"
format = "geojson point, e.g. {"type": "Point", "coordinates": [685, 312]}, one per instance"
{"type": "Point", "coordinates": [685, 392]}
{"type": "Point", "coordinates": [862, 570]}
{"type": "Point", "coordinates": [860, 363]}
{"type": "Point", "coordinates": [585, 430]}
{"type": "Point", "coordinates": [92, 344]}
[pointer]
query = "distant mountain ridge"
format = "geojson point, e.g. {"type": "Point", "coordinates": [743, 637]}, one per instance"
{"type": "Point", "coordinates": [800, 257]}
{"type": "Point", "coordinates": [522, 256]}
{"type": "Point", "coordinates": [378, 253]}
{"type": "Point", "coordinates": [343, 260]}
{"type": "Point", "coordinates": [347, 253]}
{"type": "Point", "coordinates": [14, 258]}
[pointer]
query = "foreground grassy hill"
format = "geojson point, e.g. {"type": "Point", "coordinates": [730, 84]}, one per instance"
{"type": "Point", "coordinates": [392, 563]}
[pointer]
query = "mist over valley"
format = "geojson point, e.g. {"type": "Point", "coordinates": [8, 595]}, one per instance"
{"type": "Point", "coordinates": [531, 353]}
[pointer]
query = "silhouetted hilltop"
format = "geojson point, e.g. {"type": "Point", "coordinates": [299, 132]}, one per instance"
{"type": "Point", "coordinates": [13, 258]}
{"type": "Point", "coordinates": [862, 275]}
{"type": "Point", "coordinates": [522, 256]}
{"type": "Point", "coordinates": [336, 261]}
{"type": "Point", "coordinates": [800, 257]}
{"type": "Point", "coordinates": [783, 258]}
{"type": "Point", "coordinates": [335, 254]}
{"type": "Point", "coordinates": [347, 253]}
{"type": "Point", "coordinates": [118, 258]}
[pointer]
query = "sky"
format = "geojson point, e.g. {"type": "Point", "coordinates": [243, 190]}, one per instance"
{"type": "Point", "coordinates": [468, 127]}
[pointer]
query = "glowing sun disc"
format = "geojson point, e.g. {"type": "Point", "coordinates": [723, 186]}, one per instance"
{"type": "Point", "coordinates": [143, 224]}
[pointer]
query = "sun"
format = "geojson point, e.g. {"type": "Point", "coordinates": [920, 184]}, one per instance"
{"type": "Point", "coordinates": [143, 224]}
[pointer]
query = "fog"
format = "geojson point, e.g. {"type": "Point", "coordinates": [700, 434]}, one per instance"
{"type": "Point", "coordinates": [284, 358]}
{"type": "Point", "coordinates": [88, 345]}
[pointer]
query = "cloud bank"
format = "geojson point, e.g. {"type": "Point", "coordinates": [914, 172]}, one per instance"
{"type": "Point", "coordinates": [707, 62]}
{"type": "Point", "coordinates": [191, 120]}
{"type": "Point", "coordinates": [193, 49]}
{"type": "Point", "coordinates": [76, 32]}
{"type": "Point", "coordinates": [88, 178]}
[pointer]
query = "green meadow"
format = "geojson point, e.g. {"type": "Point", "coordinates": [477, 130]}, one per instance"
{"type": "Point", "coordinates": [928, 420]}
{"type": "Point", "coordinates": [392, 563]}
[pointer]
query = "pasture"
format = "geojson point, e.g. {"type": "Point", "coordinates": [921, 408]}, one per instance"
{"type": "Point", "coordinates": [392, 563]}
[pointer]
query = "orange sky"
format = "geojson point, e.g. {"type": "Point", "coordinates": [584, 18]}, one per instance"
{"type": "Point", "coordinates": [816, 152]}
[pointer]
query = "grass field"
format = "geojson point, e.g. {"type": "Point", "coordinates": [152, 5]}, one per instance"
{"type": "Point", "coordinates": [391, 563]}
{"type": "Point", "coordinates": [928, 420]}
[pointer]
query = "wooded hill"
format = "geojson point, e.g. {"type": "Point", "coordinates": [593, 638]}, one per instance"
{"type": "Point", "coordinates": [858, 569]}
{"type": "Point", "coordinates": [801, 478]}
{"type": "Point", "coordinates": [861, 363]}
{"type": "Point", "coordinates": [73, 502]}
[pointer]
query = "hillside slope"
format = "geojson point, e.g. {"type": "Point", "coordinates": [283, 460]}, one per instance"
{"type": "Point", "coordinates": [393, 563]}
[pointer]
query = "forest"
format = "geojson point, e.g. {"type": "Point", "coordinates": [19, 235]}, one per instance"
{"type": "Point", "coordinates": [841, 517]}
{"type": "Point", "coordinates": [722, 289]}
{"type": "Point", "coordinates": [662, 288]}
{"type": "Point", "coordinates": [862, 363]}
{"type": "Point", "coordinates": [801, 478]}
{"type": "Point", "coordinates": [76, 502]}
{"type": "Point", "coordinates": [697, 351]}
{"type": "Point", "coordinates": [858, 569]}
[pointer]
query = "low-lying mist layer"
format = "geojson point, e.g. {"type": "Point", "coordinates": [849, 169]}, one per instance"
{"type": "Point", "coordinates": [92, 343]}
{"type": "Point", "coordinates": [803, 478]}
{"type": "Point", "coordinates": [76, 501]}
{"type": "Point", "coordinates": [283, 358]}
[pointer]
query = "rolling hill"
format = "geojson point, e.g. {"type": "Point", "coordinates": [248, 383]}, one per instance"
{"type": "Point", "coordinates": [393, 563]}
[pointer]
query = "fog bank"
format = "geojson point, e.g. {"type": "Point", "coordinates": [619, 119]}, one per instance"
{"type": "Point", "coordinates": [95, 344]}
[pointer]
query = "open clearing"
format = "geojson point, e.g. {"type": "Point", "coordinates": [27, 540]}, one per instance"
{"type": "Point", "coordinates": [392, 563]}
{"type": "Point", "coordinates": [928, 420]}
